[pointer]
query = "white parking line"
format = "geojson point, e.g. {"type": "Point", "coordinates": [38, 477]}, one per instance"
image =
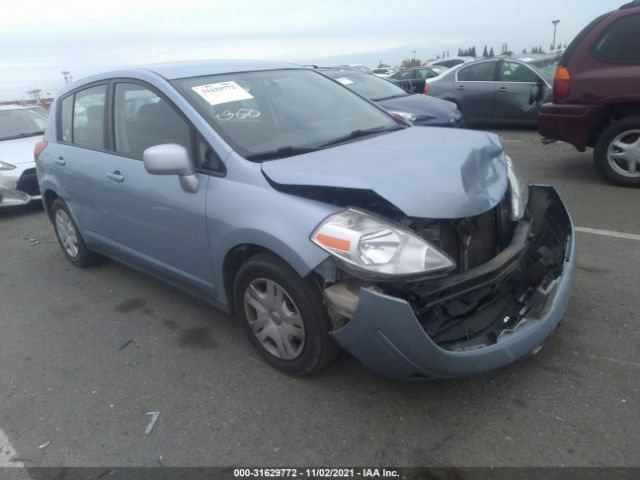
{"type": "Point", "coordinates": [608, 233]}
{"type": "Point", "coordinates": [7, 453]}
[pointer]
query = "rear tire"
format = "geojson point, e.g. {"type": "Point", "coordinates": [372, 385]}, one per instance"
{"type": "Point", "coordinates": [617, 152]}
{"type": "Point", "coordinates": [283, 316]}
{"type": "Point", "coordinates": [69, 237]}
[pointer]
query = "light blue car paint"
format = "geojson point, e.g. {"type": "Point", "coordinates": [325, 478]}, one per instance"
{"type": "Point", "coordinates": [149, 222]}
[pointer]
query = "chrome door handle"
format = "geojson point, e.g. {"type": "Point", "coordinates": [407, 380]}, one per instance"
{"type": "Point", "coordinates": [60, 160]}
{"type": "Point", "coordinates": [116, 176]}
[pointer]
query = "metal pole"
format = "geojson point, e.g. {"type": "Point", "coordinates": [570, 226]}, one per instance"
{"type": "Point", "coordinates": [555, 25]}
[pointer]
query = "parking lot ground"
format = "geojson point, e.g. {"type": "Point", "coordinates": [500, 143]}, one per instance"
{"type": "Point", "coordinates": [85, 354]}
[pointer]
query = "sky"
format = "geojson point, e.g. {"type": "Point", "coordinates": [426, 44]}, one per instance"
{"type": "Point", "coordinates": [41, 38]}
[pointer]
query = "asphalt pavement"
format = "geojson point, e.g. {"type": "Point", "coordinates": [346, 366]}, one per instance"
{"type": "Point", "coordinates": [86, 354]}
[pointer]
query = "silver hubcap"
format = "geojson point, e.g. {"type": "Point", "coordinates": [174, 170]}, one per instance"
{"type": "Point", "coordinates": [624, 154]}
{"type": "Point", "coordinates": [67, 233]}
{"type": "Point", "coordinates": [274, 319]}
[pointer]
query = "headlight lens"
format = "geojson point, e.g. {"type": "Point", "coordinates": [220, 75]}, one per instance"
{"type": "Point", "coordinates": [519, 192]}
{"type": "Point", "coordinates": [375, 245]}
{"type": "Point", "coordinates": [6, 166]}
{"type": "Point", "coordinates": [409, 117]}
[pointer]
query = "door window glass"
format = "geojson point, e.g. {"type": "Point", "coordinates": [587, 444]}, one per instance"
{"type": "Point", "coordinates": [479, 72]}
{"type": "Point", "coordinates": [143, 119]}
{"type": "Point", "coordinates": [516, 72]}
{"type": "Point", "coordinates": [88, 117]}
{"type": "Point", "coordinates": [406, 75]}
{"type": "Point", "coordinates": [620, 44]}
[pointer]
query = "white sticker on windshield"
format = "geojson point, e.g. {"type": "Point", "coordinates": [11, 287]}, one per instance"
{"type": "Point", "coordinates": [223, 92]}
{"type": "Point", "coordinates": [344, 81]}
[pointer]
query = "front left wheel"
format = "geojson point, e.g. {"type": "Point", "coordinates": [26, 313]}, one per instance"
{"type": "Point", "coordinates": [283, 316]}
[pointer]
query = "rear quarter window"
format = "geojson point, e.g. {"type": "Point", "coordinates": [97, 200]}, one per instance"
{"type": "Point", "coordinates": [66, 112]}
{"type": "Point", "coordinates": [619, 43]}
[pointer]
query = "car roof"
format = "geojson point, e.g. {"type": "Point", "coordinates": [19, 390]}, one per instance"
{"type": "Point", "coordinates": [175, 70]}
{"type": "Point", "coordinates": [172, 71]}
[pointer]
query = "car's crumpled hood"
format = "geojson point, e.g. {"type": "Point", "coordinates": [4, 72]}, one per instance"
{"type": "Point", "coordinates": [421, 105]}
{"type": "Point", "coordinates": [18, 150]}
{"type": "Point", "coordinates": [426, 172]}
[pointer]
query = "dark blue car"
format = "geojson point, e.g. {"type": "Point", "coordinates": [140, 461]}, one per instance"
{"type": "Point", "coordinates": [418, 109]}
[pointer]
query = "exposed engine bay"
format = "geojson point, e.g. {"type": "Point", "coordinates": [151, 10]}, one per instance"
{"type": "Point", "coordinates": [506, 273]}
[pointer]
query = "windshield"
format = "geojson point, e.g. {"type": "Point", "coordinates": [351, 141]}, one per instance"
{"type": "Point", "coordinates": [21, 123]}
{"type": "Point", "coordinates": [370, 86]}
{"type": "Point", "coordinates": [288, 111]}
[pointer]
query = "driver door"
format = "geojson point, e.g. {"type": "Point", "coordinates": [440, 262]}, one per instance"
{"type": "Point", "coordinates": [153, 222]}
{"type": "Point", "coordinates": [519, 93]}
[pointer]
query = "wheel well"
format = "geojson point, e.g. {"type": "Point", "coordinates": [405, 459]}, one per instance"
{"type": "Point", "coordinates": [49, 197]}
{"type": "Point", "coordinates": [232, 262]}
{"type": "Point", "coordinates": [610, 115]}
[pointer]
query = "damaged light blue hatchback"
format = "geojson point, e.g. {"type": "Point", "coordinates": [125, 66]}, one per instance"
{"type": "Point", "coordinates": [316, 217]}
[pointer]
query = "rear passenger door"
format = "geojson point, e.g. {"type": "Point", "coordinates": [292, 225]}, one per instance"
{"type": "Point", "coordinates": [77, 154]}
{"type": "Point", "coordinates": [474, 88]}
{"type": "Point", "coordinates": [153, 222]}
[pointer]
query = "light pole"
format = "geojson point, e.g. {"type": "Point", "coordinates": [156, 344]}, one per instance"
{"type": "Point", "coordinates": [555, 26]}
{"type": "Point", "coordinates": [414, 55]}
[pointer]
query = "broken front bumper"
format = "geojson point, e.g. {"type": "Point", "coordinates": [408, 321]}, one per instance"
{"type": "Point", "coordinates": [19, 186]}
{"type": "Point", "coordinates": [386, 335]}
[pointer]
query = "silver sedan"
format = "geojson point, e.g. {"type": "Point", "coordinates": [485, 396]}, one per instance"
{"type": "Point", "coordinates": [497, 91]}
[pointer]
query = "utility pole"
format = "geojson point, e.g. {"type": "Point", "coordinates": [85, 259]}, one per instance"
{"type": "Point", "coordinates": [414, 55]}
{"type": "Point", "coordinates": [555, 26]}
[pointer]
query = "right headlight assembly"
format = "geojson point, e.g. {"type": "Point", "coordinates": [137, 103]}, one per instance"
{"type": "Point", "coordinates": [519, 193]}
{"type": "Point", "coordinates": [375, 245]}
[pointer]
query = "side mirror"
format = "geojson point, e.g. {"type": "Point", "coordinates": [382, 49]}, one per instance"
{"type": "Point", "coordinates": [534, 94]}
{"type": "Point", "coordinates": [171, 159]}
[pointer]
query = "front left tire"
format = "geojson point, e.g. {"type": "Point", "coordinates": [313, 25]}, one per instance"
{"type": "Point", "coordinates": [283, 316]}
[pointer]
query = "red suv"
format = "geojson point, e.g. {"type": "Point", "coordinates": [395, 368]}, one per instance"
{"type": "Point", "coordinates": [596, 95]}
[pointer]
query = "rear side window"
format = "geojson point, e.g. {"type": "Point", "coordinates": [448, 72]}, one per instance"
{"type": "Point", "coordinates": [480, 72]}
{"type": "Point", "coordinates": [143, 119]}
{"type": "Point", "coordinates": [619, 43]}
{"type": "Point", "coordinates": [406, 75]}
{"type": "Point", "coordinates": [66, 113]}
{"type": "Point", "coordinates": [88, 117]}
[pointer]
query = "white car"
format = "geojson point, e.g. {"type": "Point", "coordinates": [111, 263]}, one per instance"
{"type": "Point", "coordinates": [20, 129]}
{"type": "Point", "coordinates": [383, 72]}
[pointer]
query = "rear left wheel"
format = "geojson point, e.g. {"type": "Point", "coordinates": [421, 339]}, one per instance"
{"type": "Point", "coordinates": [69, 237]}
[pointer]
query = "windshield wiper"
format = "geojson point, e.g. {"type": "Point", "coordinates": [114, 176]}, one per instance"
{"type": "Point", "coordinates": [23, 135]}
{"type": "Point", "coordinates": [362, 133]}
{"type": "Point", "coordinates": [390, 97]}
{"type": "Point", "coordinates": [286, 151]}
